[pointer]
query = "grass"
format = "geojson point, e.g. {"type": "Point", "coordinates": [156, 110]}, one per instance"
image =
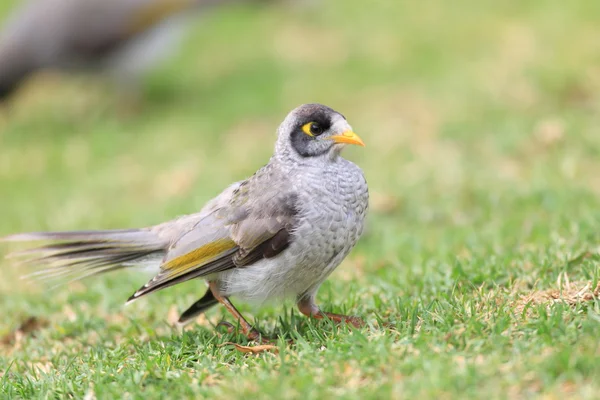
{"type": "Point", "coordinates": [482, 246]}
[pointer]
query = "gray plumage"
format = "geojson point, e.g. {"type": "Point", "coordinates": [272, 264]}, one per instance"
{"type": "Point", "coordinates": [122, 38]}
{"type": "Point", "coordinates": [275, 235]}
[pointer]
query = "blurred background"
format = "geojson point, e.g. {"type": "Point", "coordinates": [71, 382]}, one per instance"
{"type": "Point", "coordinates": [480, 118]}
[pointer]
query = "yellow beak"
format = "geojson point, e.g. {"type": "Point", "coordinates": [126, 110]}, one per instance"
{"type": "Point", "coordinates": [348, 137]}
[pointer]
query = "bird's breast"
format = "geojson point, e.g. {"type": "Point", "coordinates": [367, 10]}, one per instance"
{"type": "Point", "coordinates": [333, 210]}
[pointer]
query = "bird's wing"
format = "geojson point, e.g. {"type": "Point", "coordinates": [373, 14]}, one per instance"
{"type": "Point", "coordinates": [263, 228]}
{"type": "Point", "coordinates": [244, 225]}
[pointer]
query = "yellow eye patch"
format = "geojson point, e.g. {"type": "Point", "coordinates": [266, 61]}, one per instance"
{"type": "Point", "coordinates": [306, 128]}
{"type": "Point", "coordinates": [312, 129]}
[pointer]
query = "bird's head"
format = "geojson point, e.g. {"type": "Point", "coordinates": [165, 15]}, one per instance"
{"type": "Point", "coordinates": [315, 130]}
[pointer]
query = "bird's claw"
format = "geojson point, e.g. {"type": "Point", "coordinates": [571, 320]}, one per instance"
{"type": "Point", "coordinates": [252, 335]}
{"type": "Point", "coordinates": [228, 326]}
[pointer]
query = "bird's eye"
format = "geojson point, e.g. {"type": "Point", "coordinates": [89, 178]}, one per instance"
{"type": "Point", "coordinates": [312, 129]}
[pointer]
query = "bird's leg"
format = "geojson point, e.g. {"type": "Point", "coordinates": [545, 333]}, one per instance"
{"type": "Point", "coordinates": [247, 329]}
{"type": "Point", "coordinates": [308, 307]}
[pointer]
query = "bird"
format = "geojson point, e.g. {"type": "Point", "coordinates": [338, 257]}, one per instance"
{"type": "Point", "coordinates": [273, 236]}
{"type": "Point", "coordinates": [121, 38]}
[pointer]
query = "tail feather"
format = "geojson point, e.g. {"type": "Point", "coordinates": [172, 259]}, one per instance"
{"type": "Point", "coordinates": [80, 254]}
{"type": "Point", "coordinates": [56, 248]}
{"type": "Point", "coordinates": [77, 251]}
{"type": "Point", "coordinates": [121, 235]}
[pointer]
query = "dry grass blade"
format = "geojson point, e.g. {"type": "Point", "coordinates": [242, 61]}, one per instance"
{"type": "Point", "coordinates": [568, 292]}
{"type": "Point", "coordinates": [254, 349]}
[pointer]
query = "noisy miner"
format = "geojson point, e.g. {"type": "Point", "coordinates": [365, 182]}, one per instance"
{"type": "Point", "coordinates": [122, 38]}
{"type": "Point", "coordinates": [275, 235]}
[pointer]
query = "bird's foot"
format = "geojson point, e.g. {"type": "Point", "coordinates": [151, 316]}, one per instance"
{"type": "Point", "coordinates": [340, 319]}
{"type": "Point", "coordinates": [308, 307]}
{"type": "Point", "coordinates": [252, 334]}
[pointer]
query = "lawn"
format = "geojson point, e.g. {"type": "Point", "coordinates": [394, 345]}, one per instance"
{"type": "Point", "coordinates": [482, 248]}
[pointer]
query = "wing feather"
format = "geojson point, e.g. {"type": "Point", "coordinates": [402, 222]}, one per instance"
{"type": "Point", "coordinates": [246, 223]}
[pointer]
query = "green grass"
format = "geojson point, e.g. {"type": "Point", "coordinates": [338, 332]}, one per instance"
{"type": "Point", "coordinates": [483, 157]}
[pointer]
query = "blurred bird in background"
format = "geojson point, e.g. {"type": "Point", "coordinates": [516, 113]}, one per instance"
{"type": "Point", "coordinates": [120, 38]}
